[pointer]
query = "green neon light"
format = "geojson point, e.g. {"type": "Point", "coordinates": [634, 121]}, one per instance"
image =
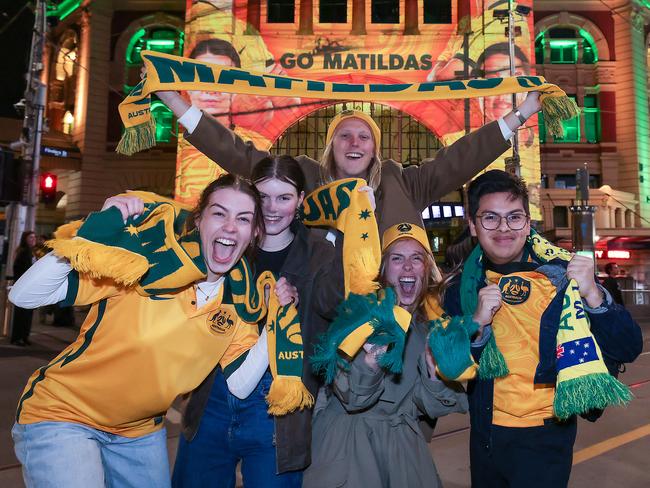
{"type": "Point", "coordinates": [563, 43]}
{"type": "Point", "coordinates": [63, 9]}
{"type": "Point", "coordinates": [592, 43]}
{"type": "Point", "coordinates": [160, 44]}
{"type": "Point", "coordinates": [132, 43]}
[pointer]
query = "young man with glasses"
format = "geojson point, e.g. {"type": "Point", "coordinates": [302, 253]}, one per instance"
{"type": "Point", "coordinates": [519, 291]}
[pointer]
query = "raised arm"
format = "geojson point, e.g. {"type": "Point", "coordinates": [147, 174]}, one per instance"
{"type": "Point", "coordinates": [210, 137]}
{"type": "Point", "coordinates": [456, 164]}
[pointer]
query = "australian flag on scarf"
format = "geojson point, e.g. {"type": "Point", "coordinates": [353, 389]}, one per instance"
{"type": "Point", "coordinates": [576, 352]}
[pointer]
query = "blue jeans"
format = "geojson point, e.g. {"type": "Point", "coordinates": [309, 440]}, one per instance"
{"type": "Point", "coordinates": [56, 454]}
{"type": "Point", "coordinates": [232, 430]}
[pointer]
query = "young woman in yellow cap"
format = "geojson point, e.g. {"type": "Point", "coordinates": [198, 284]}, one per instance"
{"type": "Point", "coordinates": [368, 433]}
{"type": "Point", "coordinates": [352, 150]}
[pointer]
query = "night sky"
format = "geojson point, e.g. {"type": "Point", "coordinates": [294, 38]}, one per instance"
{"type": "Point", "coordinates": [15, 40]}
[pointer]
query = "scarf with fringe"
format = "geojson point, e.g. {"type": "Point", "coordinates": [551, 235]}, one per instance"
{"type": "Point", "coordinates": [168, 72]}
{"type": "Point", "coordinates": [581, 385]}
{"type": "Point", "coordinates": [154, 254]}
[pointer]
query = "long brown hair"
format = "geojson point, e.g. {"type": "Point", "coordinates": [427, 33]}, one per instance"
{"type": "Point", "coordinates": [241, 185]}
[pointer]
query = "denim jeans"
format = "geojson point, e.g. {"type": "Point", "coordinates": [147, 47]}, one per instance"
{"type": "Point", "coordinates": [56, 454]}
{"type": "Point", "coordinates": [232, 430]}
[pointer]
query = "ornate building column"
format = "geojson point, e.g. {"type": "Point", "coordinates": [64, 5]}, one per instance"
{"type": "Point", "coordinates": [632, 119]}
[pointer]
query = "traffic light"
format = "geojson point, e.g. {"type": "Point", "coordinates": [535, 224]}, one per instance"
{"type": "Point", "coordinates": [48, 188]}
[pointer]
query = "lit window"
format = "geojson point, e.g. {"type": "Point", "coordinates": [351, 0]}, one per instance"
{"type": "Point", "coordinates": [164, 121]}
{"type": "Point", "coordinates": [68, 122]}
{"type": "Point", "coordinates": [65, 62]}
{"type": "Point", "coordinates": [564, 46]}
{"type": "Point", "coordinates": [564, 51]}
{"type": "Point", "coordinates": [591, 113]}
{"type": "Point", "coordinates": [426, 214]}
{"type": "Point", "coordinates": [459, 211]}
{"type": "Point", "coordinates": [385, 11]}
{"type": "Point", "coordinates": [281, 11]}
{"type": "Point", "coordinates": [333, 11]}
{"type": "Point", "coordinates": [437, 11]}
{"type": "Point", "coordinates": [541, 127]}
{"type": "Point", "coordinates": [435, 211]}
{"type": "Point", "coordinates": [446, 211]}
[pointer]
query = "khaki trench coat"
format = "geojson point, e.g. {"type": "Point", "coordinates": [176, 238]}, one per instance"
{"type": "Point", "coordinates": [368, 434]}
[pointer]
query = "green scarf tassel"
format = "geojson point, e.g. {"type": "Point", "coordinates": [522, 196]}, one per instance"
{"type": "Point", "coordinates": [137, 138]}
{"type": "Point", "coordinates": [579, 395]}
{"type": "Point", "coordinates": [450, 345]}
{"type": "Point", "coordinates": [557, 109]}
{"type": "Point", "coordinates": [355, 311]}
{"type": "Point", "coordinates": [492, 364]}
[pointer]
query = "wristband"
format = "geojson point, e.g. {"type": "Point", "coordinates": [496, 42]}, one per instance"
{"type": "Point", "coordinates": [521, 118]}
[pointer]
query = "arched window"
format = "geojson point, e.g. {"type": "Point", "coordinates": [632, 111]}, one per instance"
{"type": "Point", "coordinates": [565, 45]}
{"type": "Point", "coordinates": [63, 83]}
{"type": "Point", "coordinates": [163, 39]}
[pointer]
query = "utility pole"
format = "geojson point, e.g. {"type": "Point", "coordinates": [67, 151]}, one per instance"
{"type": "Point", "coordinates": [583, 228]}
{"type": "Point", "coordinates": [23, 214]}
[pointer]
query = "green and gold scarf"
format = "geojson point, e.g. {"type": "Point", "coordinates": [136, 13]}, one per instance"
{"type": "Point", "coordinates": [156, 255]}
{"type": "Point", "coordinates": [167, 72]}
{"type": "Point", "coordinates": [581, 385]}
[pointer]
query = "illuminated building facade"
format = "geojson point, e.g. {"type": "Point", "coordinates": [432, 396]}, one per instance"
{"type": "Point", "coordinates": [596, 50]}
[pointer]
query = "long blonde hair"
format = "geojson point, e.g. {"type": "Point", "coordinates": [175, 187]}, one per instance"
{"type": "Point", "coordinates": [328, 166]}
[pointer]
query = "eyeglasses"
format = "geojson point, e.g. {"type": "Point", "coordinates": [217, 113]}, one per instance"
{"type": "Point", "coordinates": [492, 221]}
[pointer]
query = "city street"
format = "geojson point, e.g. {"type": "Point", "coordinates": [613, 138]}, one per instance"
{"type": "Point", "coordinates": [609, 453]}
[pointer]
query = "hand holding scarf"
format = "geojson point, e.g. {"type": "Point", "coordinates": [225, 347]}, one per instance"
{"type": "Point", "coordinates": [167, 72]}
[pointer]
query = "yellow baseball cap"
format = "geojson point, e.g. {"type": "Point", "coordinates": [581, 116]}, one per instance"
{"type": "Point", "coordinates": [403, 230]}
{"type": "Point", "coordinates": [356, 114]}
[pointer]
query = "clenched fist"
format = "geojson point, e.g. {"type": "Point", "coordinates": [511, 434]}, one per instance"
{"type": "Point", "coordinates": [581, 269]}
{"type": "Point", "coordinates": [489, 303]}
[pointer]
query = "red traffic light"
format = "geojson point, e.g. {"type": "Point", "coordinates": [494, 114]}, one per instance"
{"type": "Point", "coordinates": [48, 187]}
{"type": "Point", "coordinates": [49, 182]}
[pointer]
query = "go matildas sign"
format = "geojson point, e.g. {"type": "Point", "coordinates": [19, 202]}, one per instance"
{"type": "Point", "coordinates": [473, 45]}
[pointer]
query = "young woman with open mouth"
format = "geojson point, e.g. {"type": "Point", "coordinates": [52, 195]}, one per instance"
{"type": "Point", "coordinates": [368, 432]}
{"type": "Point", "coordinates": [93, 417]}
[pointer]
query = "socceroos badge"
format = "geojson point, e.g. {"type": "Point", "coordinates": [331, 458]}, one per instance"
{"type": "Point", "coordinates": [220, 322]}
{"type": "Point", "coordinates": [515, 290]}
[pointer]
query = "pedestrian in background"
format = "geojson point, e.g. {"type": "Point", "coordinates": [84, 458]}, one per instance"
{"type": "Point", "coordinates": [25, 257]}
{"type": "Point", "coordinates": [611, 283]}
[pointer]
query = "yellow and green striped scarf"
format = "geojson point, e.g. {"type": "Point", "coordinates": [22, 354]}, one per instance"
{"type": "Point", "coordinates": [167, 72]}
